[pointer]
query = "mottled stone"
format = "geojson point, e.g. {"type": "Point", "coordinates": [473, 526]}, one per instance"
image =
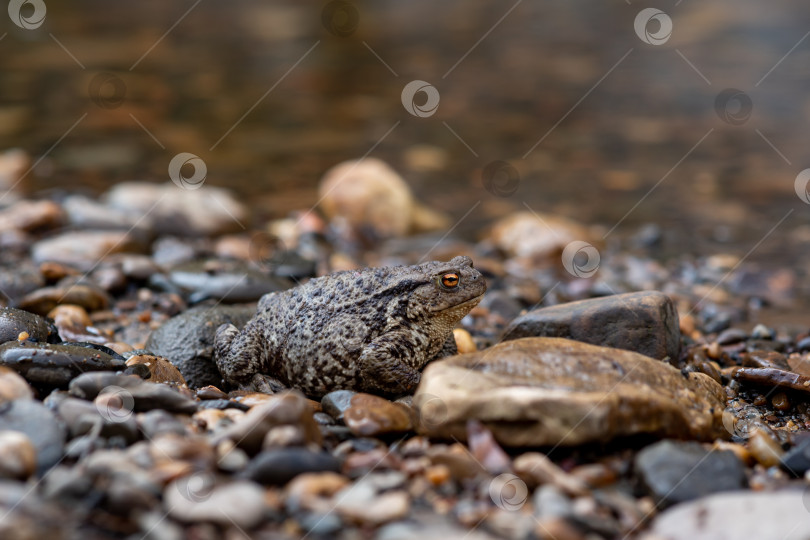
{"type": "Point", "coordinates": [50, 365]}
{"type": "Point", "coordinates": [548, 391]}
{"type": "Point", "coordinates": [645, 322]}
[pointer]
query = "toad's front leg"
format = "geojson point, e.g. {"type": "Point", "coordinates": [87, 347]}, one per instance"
{"type": "Point", "coordinates": [386, 364]}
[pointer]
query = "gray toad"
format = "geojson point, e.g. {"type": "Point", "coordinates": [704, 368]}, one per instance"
{"type": "Point", "coordinates": [370, 330]}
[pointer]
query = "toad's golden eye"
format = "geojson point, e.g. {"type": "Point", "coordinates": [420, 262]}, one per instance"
{"type": "Point", "coordinates": [450, 280]}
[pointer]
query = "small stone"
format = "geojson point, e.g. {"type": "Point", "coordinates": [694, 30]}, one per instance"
{"type": "Point", "coordinates": [675, 472]}
{"type": "Point", "coordinates": [775, 515]}
{"type": "Point", "coordinates": [230, 458]}
{"type": "Point", "coordinates": [363, 503]}
{"type": "Point", "coordinates": [457, 459]}
{"type": "Point", "coordinates": [279, 466]}
{"type": "Point", "coordinates": [187, 340]}
{"type": "Point", "coordinates": [537, 469]}
{"type": "Point", "coordinates": [764, 359]}
{"type": "Point", "coordinates": [773, 377]}
{"type": "Point", "coordinates": [485, 449]}
{"type": "Point", "coordinates": [158, 422]}
{"type": "Point", "coordinates": [42, 301]}
{"type": "Point", "coordinates": [764, 448]}
{"type": "Point", "coordinates": [70, 315]}
{"type": "Point", "coordinates": [437, 474]}
{"type": "Point", "coordinates": [228, 281]}
{"type": "Point", "coordinates": [160, 369]}
{"type": "Point", "coordinates": [314, 491]}
{"type": "Point", "coordinates": [138, 393]}
{"type": "Point", "coordinates": [761, 331]}
{"type": "Point", "coordinates": [19, 457]}
{"type": "Point", "coordinates": [31, 216]}
{"type": "Point", "coordinates": [335, 403]}
{"type": "Point", "coordinates": [13, 386]}
{"type": "Point", "coordinates": [797, 459]}
{"type": "Point", "coordinates": [547, 391]}
{"type": "Point", "coordinates": [192, 499]}
{"type": "Point", "coordinates": [83, 249]}
{"type": "Point", "coordinates": [536, 236]}
{"type": "Point", "coordinates": [207, 211]}
{"type": "Point", "coordinates": [287, 408]}
{"type": "Point", "coordinates": [464, 341]}
{"type": "Point", "coordinates": [49, 365]}
{"type": "Point", "coordinates": [371, 415]}
{"type": "Point", "coordinates": [39, 423]}
{"type": "Point", "coordinates": [644, 322]}
{"type": "Point", "coordinates": [780, 401]}
{"type": "Point", "coordinates": [731, 336]}
{"type": "Point", "coordinates": [15, 321]}
{"type": "Point", "coordinates": [83, 417]}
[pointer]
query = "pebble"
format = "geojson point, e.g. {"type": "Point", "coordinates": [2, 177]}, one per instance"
{"type": "Point", "coordinates": [85, 213]}
{"type": "Point", "coordinates": [536, 236]}
{"type": "Point", "coordinates": [731, 336]}
{"type": "Point", "coordinates": [19, 457]}
{"type": "Point", "coordinates": [160, 369]}
{"type": "Point", "coordinates": [764, 359]}
{"type": "Point", "coordinates": [227, 281]}
{"type": "Point", "coordinates": [336, 403]}
{"type": "Point", "coordinates": [40, 425]}
{"type": "Point", "coordinates": [83, 417]}
{"type": "Point", "coordinates": [192, 500]}
{"type": "Point", "coordinates": [485, 448]}
{"type": "Point", "coordinates": [15, 321]}
{"type": "Point", "coordinates": [797, 459]}
{"type": "Point", "coordinates": [464, 341]}
{"type": "Point", "coordinates": [779, 515]}
{"type": "Point", "coordinates": [287, 408]}
{"type": "Point", "coordinates": [675, 472]}
{"type": "Point", "coordinates": [144, 395]}
{"type": "Point", "coordinates": [49, 365]}
{"type": "Point", "coordinates": [43, 301]}
{"type": "Point", "coordinates": [31, 216]}
{"type": "Point", "coordinates": [368, 196]}
{"type": "Point", "coordinates": [83, 250]}
{"type": "Point", "coordinates": [537, 469]}
{"type": "Point", "coordinates": [280, 465]}
{"type": "Point", "coordinates": [644, 322]}
{"type": "Point", "coordinates": [362, 502]}
{"type": "Point", "coordinates": [206, 211]}
{"type": "Point", "coordinates": [187, 340]}
{"type": "Point", "coordinates": [13, 386]}
{"type": "Point", "coordinates": [314, 491]}
{"type": "Point", "coordinates": [371, 415]}
{"type": "Point", "coordinates": [458, 460]}
{"type": "Point", "coordinates": [548, 391]}
{"type": "Point", "coordinates": [158, 422]}
{"type": "Point", "coordinates": [773, 377]}
{"type": "Point", "coordinates": [764, 448]}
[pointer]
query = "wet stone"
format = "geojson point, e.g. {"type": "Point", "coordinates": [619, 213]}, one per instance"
{"type": "Point", "coordinates": [83, 249]}
{"type": "Point", "coordinates": [193, 499]}
{"type": "Point", "coordinates": [83, 417]}
{"type": "Point", "coordinates": [13, 386]}
{"type": "Point", "coordinates": [160, 369]}
{"type": "Point", "coordinates": [42, 301]}
{"type": "Point", "coordinates": [371, 415]}
{"type": "Point", "coordinates": [187, 340]}
{"type": "Point", "coordinates": [144, 395]}
{"type": "Point", "coordinates": [644, 322]}
{"type": "Point", "coordinates": [279, 466]}
{"type": "Point", "coordinates": [335, 403]}
{"type": "Point", "coordinates": [228, 281]}
{"type": "Point", "coordinates": [547, 391]}
{"type": "Point", "coordinates": [797, 459]}
{"type": "Point", "coordinates": [14, 321]}
{"type": "Point", "coordinates": [773, 377]}
{"type": "Point", "coordinates": [41, 426]}
{"type": "Point", "coordinates": [19, 455]}
{"type": "Point", "coordinates": [49, 365]}
{"type": "Point", "coordinates": [674, 472]}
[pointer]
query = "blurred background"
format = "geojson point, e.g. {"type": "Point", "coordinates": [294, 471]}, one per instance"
{"type": "Point", "coordinates": [604, 121]}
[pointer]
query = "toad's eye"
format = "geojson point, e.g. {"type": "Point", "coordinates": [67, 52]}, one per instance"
{"type": "Point", "coordinates": [450, 280]}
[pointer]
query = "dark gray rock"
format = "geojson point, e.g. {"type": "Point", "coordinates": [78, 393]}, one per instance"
{"type": "Point", "coordinates": [797, 459]}
{"type": "Point", "coordinates": [14, 321]}
{"type": "Point", "coordinates": [187, 340]}
{"type": "Point", "coordinates": [675, 472]}
{"type": "Point", "coordinates": [335, 403]}
{"type": "Point", "coordinates": [40, 425]}
{"type": "Point", "coordinates": [144, 395]}
{"type": "Point", "coordinates": [279, 466]}
{"type": "Point", "coordinates": [82, 417]}
{"type": "Point", "coordinates": [645, 322]}
{"type": "Point", "coordinates": [48, 366]}
{"type": "Point", "coordinates": [227, 281]}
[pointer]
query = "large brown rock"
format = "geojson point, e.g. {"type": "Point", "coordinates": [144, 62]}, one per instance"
{"type": "Point", "coordinates": [645, 322]}
{"type": "Point", "coordinates": [552, 391]}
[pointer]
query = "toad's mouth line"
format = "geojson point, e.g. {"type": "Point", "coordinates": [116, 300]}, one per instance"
{"type": "Point", "coordinates": [471, 302]}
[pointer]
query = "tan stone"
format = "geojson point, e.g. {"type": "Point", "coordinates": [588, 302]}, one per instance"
{"type": "Point", "coordinates": [550, 391]}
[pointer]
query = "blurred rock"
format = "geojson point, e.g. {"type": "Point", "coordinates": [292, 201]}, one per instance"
{"type": "Point", "coordinates": [780, 515]}
{"type": "Point", "coordinates": [537, 236]}
{"type": "Point", "coordinates": [547, 391]}
{"type": "Point", "coordinates": [206, 211]}
{"type": "Point", "coordinates": [89, 297]}
{"type": "Point", "coordinates": [676, 472]}
{"type": "Point", "coordinates": [279, 466]}
{"type": "Point", "coordinates": [228, 281]}
{"type": "Point", "coordinates": [41, 427]}
{"type": "Point", "coordinates": [645, 322]}
{"type": "Point", "coordinates": [14, 322]}
{"type": "Point", "coordinates": [13, 386]}
{"type": "Point", "coordinates": [238, 503]}
{"type": "Point", "coordinates": [31, 216]}
{"type": "Point", "coordinates": [84, 249]}
{"type": "Point", "coordinates": [160, 369]}
{"type": "Point", "coordinates": [372, 200]}
{"type": "Point", "coordinates": [373, 415]}
{"type": "Point", "coordinates": [142, 395]}
{"type": "Point", "coordinates": [19, 457]}
{"type": "Point", "coordinates": [86, 213]}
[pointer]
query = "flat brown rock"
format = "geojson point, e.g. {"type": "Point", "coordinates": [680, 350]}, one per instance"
{"type": "Point", "coordinates": [550, 391]}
